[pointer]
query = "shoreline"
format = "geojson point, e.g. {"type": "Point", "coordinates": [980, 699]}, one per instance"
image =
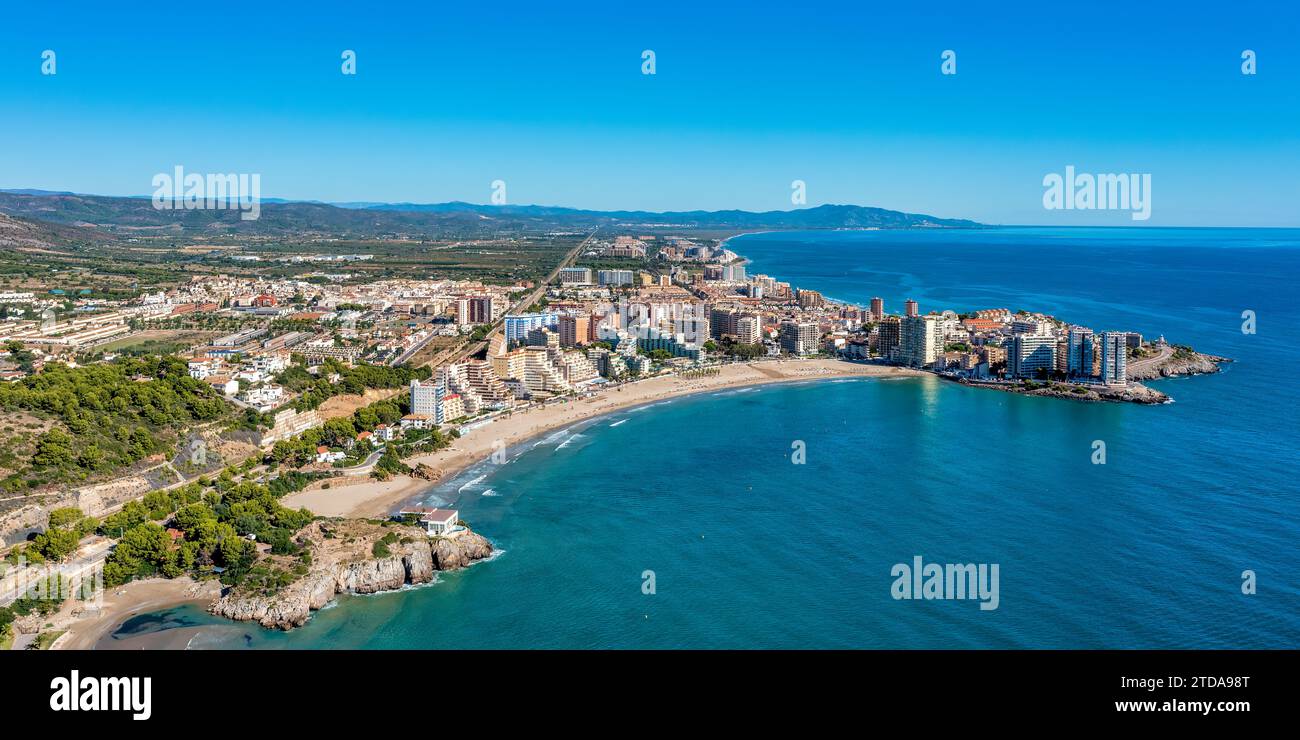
{"type": "Point", "coordinates": [123, 602]}
{"type": "Point", "coordinates": [377, 498]}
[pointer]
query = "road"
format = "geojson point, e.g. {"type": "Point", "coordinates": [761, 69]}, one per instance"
{"type": "Point", "coordinates": [1139, 366]}
{"type": "Point", "coordinates": [456, 354]}
{"type": "Point", "coordinates": [408, 354]}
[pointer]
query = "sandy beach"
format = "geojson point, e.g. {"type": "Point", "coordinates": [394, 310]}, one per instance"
{"type": "Point", "coordinates": [133, 598]}
{"type": "Point", "coordinates": [378, 498]}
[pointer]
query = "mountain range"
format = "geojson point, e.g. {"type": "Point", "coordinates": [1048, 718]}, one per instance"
{"type": "Point", "coordinates": [137, 215]}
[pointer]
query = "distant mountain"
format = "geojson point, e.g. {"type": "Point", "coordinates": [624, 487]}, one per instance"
{"type": "Point", "coordinates": [818, 217]}
{"type": "Point", "coordinates": [28, 234]}
{"type": "Point", "coordinates": [137, 216]}
{"type": "Point", "coordinates": [30, 191]}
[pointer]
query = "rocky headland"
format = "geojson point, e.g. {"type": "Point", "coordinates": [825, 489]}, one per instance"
{"type": "Point", "coordinates": [1174, 361]}
{"type": "Point", "coordinates": [349, 556]}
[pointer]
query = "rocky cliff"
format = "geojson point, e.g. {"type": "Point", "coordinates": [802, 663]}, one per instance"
{"type": "Point", "coordinates": [345, 560]}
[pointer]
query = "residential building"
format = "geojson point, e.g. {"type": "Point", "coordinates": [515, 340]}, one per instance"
{"type": "Point", "coordinates": [516, 327]}
{"type": "Point", "coordinates": [748, 330]}
{"type": "Point", "coordinates": [574, 330]}
{"type": "Point", "coordinates": [1079, 344]}
{"type": "Point", "coordinates": [799, 337]}
{"type": "Point", "coordinates": [1029, 355]}
{"type": "Point", "coordinates": [436, 522]}
{"type": "Point", "coordinates": [615, 277]}
{"type": "Point", "coordinates": [1114, 357]}
{"type": "Point", "coordinates": [575, 276]}
{"type": "Point", "coordinates": [889, 334]}
{"type": "Point", "coordinates": [920, 340]}
{"type": "Point", "coordinates": [426, 397]}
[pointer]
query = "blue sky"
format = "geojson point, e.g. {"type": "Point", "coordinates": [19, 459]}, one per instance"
{"type": "Point", "coordinates": [747, 97]}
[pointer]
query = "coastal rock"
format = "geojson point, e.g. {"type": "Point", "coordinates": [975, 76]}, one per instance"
{"type": "Point", "coordinates": [425, 472]}
{"type": "Point", "coordinates": [344, 561]}
{"type": "Point", "coordinates": [419, 564]}
{"type": "Point", "coordinates": [1132, 393]}
{"type": "Point", "coordinates": [370, 576]}
{"type": "Point", "coordinates": [1176, 364]}
{"type": "Point", "coordinates": [450, 554]}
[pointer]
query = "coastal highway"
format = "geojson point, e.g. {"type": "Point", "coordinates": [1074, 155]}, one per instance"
{"type": "Point", "coordinates": [456, 354]}
{"type": "Point", "coordinates": [1140, 366]}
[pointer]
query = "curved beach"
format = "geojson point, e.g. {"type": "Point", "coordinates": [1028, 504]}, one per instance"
{"type": "Point", "coordinates": [373, 498]}
{"type": "Point", "coordinates": [377, 498]}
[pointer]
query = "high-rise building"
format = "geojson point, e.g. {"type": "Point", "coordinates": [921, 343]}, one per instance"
{"type": "Point", "coordinates": [910, 308]}
{"type": "Point", "coordinates": [799, 337]}
{"type": "Point", "coordinates": [1079, 342]}
{"type": "Point", "coordinates": [748, 330]}
{"type": "Point", "coordinates": [575, 276]}
{"type": "Point", "coordinates": [722, 321]}
{"type": "Point", "coordinates": [615, 277]}
{"type": "Point", "coordinates": [1028, 354]}
{"type": "Point", "coordinates": [888, 336]}
{"type": "Point", "coordinates": [573, 330]}
{"type": "Point", "coordinates": [1114, 357]}
{"type": "Point", "coordinates": [877, 308]}
{"type": "Point", "coordinates": [426, 398]}
{"type": "Point", "coordinates": [920, 340]}
{"type": "Point", "coordinates": [480, 309]}
{"type": "Point", "coordinates": [810, 299]}
{"type": "Point", "coordinates": [517, 326]}
{"type": "Point", "coordinates": [734, 273]}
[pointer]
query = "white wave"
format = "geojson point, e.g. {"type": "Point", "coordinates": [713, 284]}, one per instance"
{"type": "Point", "coordinates": [569, 441]}
{"type": "Point", "coordinates": [473, 482]}
{"type": "Point", "coordinates": [550, 439]}
{"type": "Point", "coordinates": [620, 421]}
{"type": "Point", "coordinates": [491, 492]}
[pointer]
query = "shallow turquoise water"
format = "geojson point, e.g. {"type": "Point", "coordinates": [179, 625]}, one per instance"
{"type": "Point", "coordinates": [750, 550]}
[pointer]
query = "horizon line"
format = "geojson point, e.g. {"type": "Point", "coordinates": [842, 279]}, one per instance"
{"type": "Point", "coordinates": [281, 200]}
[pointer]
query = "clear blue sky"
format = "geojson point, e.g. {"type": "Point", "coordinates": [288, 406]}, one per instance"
{"type": "Point", "coordinates": [747, 97]}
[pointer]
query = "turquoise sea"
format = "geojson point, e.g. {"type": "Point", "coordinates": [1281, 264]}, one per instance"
{"type": "Point", "coordinates": [749, 550]}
